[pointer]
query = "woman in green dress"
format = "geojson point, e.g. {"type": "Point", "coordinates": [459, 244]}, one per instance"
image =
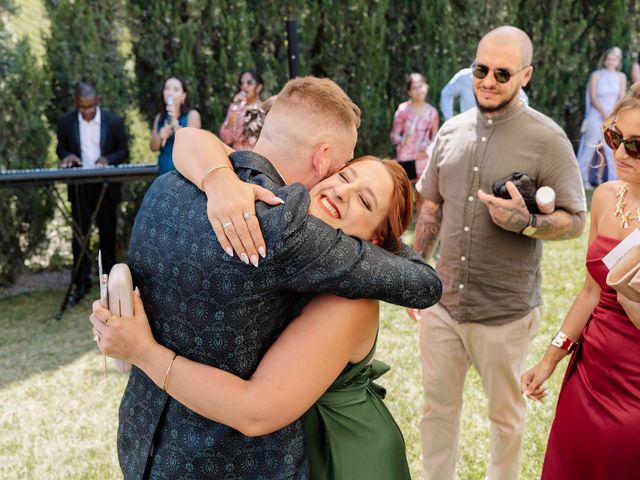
{"type": "Point", "coordinates": [322, 364]}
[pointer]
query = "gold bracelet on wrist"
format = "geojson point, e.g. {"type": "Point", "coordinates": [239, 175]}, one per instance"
{"type": "Point", "coordinates": [210, 170]}
{"type": "Point", "coordinates": [166, 375]}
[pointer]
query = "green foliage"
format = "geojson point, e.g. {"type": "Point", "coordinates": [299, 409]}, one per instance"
{"type": "Point", "coordinates": [24, 141]}
{"type": "Point", "coordinates": [204, 41]}
{"type": "Point", "coordinates": [84, 45]}
{"type": "Point", "coordinates": [347, 48]}
{"type": "Point", "coordinates": [421, 39]}
{"type": "Point", "coordinates": [130, 47]}
{"type": "Point", "coordinates": [557, 88]}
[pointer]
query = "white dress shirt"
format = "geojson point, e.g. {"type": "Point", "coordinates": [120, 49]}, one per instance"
{"type": "Point", "coordinates": [90, 140]}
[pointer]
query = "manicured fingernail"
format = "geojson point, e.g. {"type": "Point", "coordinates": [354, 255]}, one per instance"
{"type": "Point", "coordinates": [254, 260]}
{"type": "Point", "coordinates": [244, 258]}
{"type": "Point", "coordinates": [229, 251]}
{"type": "Point", "coordinates": [137, 290]}
{"type": "Point", "coordinates": [278, 199]}
{"type": "Point", "coordinates": [262, 251]}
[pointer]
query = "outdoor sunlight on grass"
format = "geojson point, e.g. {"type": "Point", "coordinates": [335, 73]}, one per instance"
{"type": "Point", "coordinates": [59, 414]}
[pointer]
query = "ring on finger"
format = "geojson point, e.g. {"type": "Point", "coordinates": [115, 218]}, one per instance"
{"type": "Point", "coordinates": [106, 320]}
{"type": "Point", "coordinates": [247, 216]}
{"type": "Point", "coordinates": [97, 336]}
{"type": "Point", "coordinates": [228, 224]}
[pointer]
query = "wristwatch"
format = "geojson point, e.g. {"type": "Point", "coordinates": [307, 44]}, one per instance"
{"type": "Point", "coordinates": [563, 342]}
{"type": "Point", "coordinates": [532, 226]}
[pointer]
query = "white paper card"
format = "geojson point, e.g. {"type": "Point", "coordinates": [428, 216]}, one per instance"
{"type": "Point", "coordinates": [611, 258]}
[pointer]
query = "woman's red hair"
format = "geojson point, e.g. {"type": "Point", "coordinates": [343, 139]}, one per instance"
{"type": "Point", "coordinates": [398, 218]}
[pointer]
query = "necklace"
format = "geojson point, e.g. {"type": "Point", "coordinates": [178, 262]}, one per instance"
{"type": "Point", "coordinates": [625, 216]}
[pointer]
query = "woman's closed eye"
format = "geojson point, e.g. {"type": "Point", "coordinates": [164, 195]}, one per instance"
{"type": "Point", "coordinates": [344, 176]}
{"type": "Point", "coordinates": [365, 202]}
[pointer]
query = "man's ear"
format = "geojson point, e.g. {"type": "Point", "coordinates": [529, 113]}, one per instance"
{"type": "Point", "coordinates": [527, 75]}
{"type": "Point", "coordinates": [98, 99]}
{"type": "Point", "coordinates": [321, 161]}
{"type": "Point", "coordinates": [376, 240]}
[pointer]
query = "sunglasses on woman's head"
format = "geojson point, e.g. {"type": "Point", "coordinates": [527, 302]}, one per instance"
{"type": "Point", "coordinates": [502, 75]}
{"type": "Point", "coordinates": [614, 138]}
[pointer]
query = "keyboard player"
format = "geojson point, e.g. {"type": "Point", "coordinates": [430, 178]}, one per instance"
{"type": "Point", "coordinates": [91, 137]}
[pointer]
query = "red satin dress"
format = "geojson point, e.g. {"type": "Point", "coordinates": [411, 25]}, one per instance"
{"type": "Point", "coordinates": [596, 430]}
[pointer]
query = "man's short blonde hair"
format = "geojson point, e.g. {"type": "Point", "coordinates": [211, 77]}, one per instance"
{"type": "Point", "coordinates": [319, 97]}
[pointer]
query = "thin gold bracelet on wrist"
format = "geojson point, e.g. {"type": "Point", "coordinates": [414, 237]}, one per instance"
{"type": "Point", "coordinates": [166, 375]}
{"type": "Point", "coordinates": [210, 170]}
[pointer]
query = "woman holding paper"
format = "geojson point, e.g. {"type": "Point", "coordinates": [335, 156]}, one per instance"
{"type": "Point", "coordinates": [596, 430]}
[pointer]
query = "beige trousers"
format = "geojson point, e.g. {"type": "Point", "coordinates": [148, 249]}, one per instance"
{"type": "Point", "coordinates": [447, 349]}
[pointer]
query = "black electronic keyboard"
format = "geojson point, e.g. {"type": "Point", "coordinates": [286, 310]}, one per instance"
{"type": "Point", "coordinates": [46, 176]}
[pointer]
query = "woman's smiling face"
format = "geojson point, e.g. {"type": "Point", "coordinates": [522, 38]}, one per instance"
{"type": "Point", "coordinates": [355, 200]}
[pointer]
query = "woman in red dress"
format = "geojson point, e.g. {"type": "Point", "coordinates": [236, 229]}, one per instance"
{"type": "Point", "coordinates": [596, 430]}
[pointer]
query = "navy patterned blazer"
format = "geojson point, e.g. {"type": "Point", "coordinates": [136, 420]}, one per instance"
{"type": "Point", "coordinates": [214, 309]}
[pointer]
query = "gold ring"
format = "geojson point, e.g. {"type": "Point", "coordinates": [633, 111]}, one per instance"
{"type": "Point", "coordinates": [228, 224]}
{"type": "Point", "coordinates": [106, 320]}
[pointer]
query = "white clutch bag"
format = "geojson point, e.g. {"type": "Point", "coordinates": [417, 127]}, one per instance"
{"type": "Point", "coordinates": [120, 288]}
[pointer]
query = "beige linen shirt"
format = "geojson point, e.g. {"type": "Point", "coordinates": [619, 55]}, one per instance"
{"type": "Point", "coordinates": [488, 274]}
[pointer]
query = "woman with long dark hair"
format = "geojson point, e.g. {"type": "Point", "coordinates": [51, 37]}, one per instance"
{"type": "Point", "coordinates": [250, 86]}
{"type": "Point", "coordinates": [174, 114]}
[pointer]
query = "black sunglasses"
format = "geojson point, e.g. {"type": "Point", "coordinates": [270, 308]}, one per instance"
{"type": "Point", "coordinates": [613, 138]}
{"type": "Point", "coordinates": [502, 75]}
{"type": "Point", "coordinates": [249, 82]}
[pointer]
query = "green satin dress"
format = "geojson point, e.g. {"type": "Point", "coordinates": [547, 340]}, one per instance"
{"type": "Point", "coordinates": [350, 434]}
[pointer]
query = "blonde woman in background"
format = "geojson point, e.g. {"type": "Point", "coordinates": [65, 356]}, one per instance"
{"type": "Point", "coordinates": [605, 88]}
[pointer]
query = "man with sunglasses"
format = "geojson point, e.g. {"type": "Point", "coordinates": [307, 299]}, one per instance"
{"type": "Point", "coordinates": [490, 252]}
{"type": "Point", "coordinates": [461, 86]}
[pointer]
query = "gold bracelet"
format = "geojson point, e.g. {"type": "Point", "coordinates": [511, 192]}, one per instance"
{"type": "Point", "coordinates": [166, 375]}
{"type": "Point", "coordinates": [212, 169]}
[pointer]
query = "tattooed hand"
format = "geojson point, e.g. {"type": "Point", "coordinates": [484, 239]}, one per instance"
{"type": "Point", "coordinates": [511, 215]}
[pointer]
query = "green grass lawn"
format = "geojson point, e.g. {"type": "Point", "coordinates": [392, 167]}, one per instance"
{"type": "Point", "coordinates": [59, 414]}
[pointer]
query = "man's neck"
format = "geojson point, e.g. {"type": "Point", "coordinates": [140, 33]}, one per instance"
{"type": "Point", "coordinates": [275, 158]}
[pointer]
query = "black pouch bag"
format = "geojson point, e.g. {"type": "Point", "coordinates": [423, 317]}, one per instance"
{"type": "Point", "coordinates": [525, 186]}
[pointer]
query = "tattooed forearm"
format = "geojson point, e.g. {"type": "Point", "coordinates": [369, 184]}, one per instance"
{"type": "Point", "coordinates": [427, 229]}
{"type": "Point", "coordinates": [560, 225]}
{"type": "Point", "coordinates": [515, 220]}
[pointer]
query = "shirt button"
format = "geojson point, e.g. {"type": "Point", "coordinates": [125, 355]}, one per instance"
{"type": "Point", "coordinates": [475, 169]}
{"type": "Point", "coordinates": [463, 258]}
{"type": "Point", "coordinates": [484, 139]}
{"type": "Point", "coordinates": [466, 229]}
{"type": "Point", "coordinates": [461, 286]}
{"type": "Point", "coordinates": [490, 122]}
{"type": "Point", "coordinates": [470, 198]}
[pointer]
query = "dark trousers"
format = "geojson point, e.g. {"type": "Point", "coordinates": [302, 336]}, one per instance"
{"type": "Point", "coordinates": [84, 199]}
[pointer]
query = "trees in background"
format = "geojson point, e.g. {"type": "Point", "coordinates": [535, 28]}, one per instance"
{"type": "Point", "coordinates": [24, 141]}
{"type": "Point", "coordinates": [129, 47]}
{"type": "Point", "coordinates": [85, 43]}
{"type": "Point", "coordinates": [369, 46]}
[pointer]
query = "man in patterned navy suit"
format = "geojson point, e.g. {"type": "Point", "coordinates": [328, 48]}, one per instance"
{"type": "Point", "coordinates": [215, 309]}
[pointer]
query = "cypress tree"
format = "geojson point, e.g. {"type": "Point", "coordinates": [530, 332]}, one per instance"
{"type": "Point", "coordinates": [560, 74]}
{"type": "Point", "coordinates": [223, 54]}
{"type": "Point", "coordinates": [349, 47]}
{"type": "Point", "coordinates": [24, 95]}
{"type": "Point", "coordinates": [268, 39]}
{"type": "Point", "coordinates": [421, 40]}
{"type": "Point", "coordinates": [203, 41]}
{"type": "Point", "coordinates": [84, 45]}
